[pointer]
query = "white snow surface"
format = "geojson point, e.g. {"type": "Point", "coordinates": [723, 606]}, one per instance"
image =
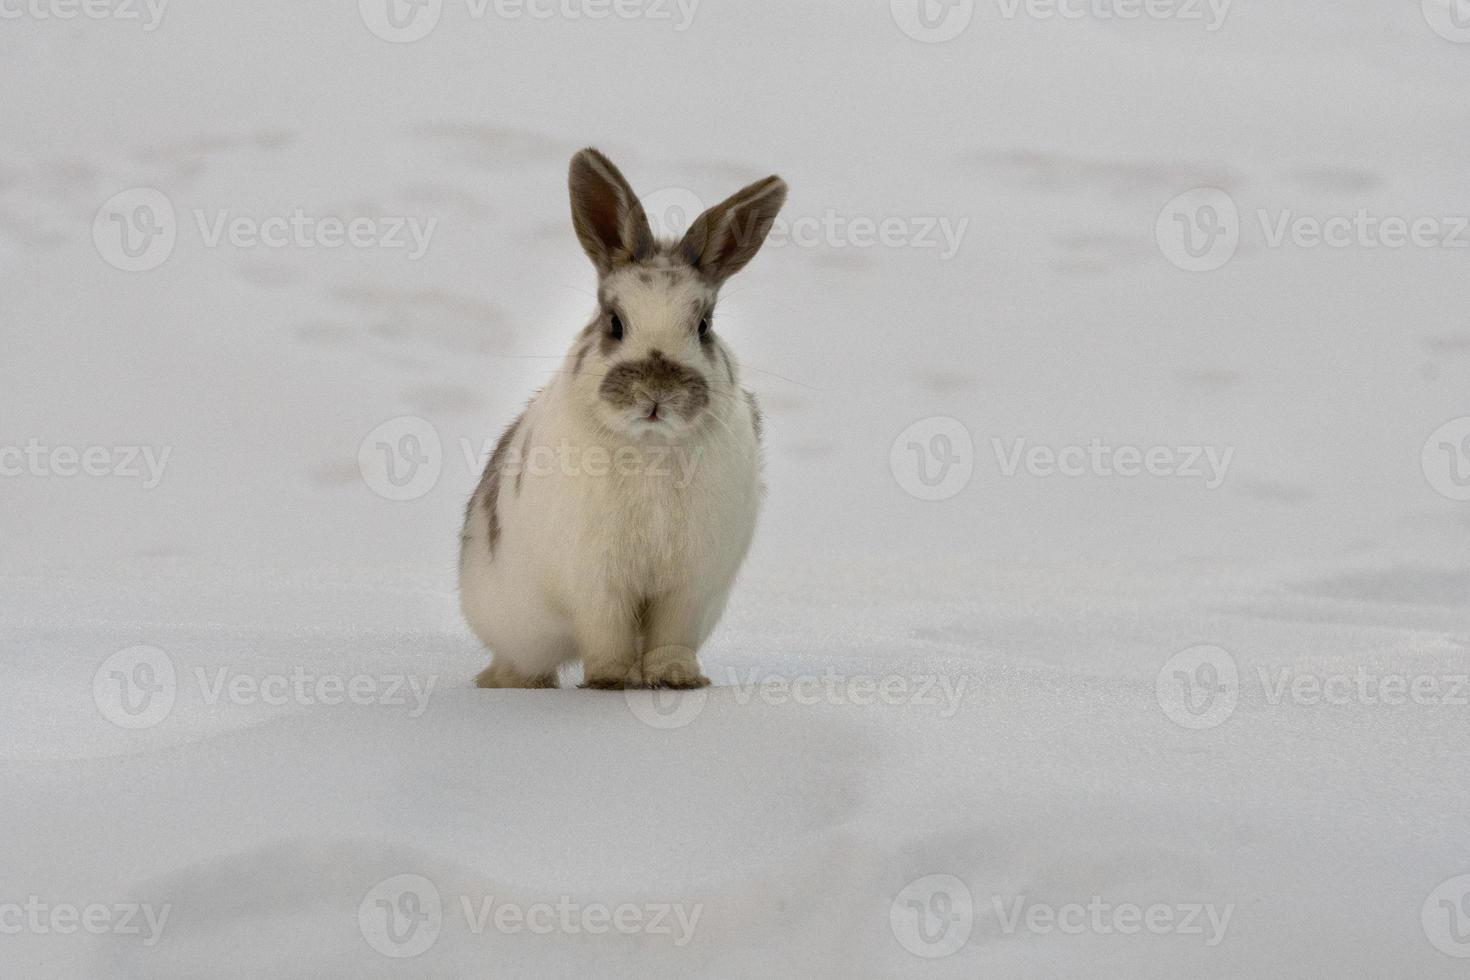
{"type": "Point", "coordinates": [1021, 626]}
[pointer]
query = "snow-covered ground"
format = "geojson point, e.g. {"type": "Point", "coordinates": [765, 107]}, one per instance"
{"type": "Point", "coordinates": [973, 716]}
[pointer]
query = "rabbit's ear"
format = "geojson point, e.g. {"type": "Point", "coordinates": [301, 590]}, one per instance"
{"type": "Point", "coordinates": [727, 236]}
{"type": "Point", "coordinates": [609, 220]}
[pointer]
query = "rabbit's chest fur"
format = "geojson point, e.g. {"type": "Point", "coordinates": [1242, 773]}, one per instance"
{"type": "Point", "coordinates": [669, 514]}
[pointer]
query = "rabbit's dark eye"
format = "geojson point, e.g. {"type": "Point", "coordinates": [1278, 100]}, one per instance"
{"type": "Point", "coordinates": [615, 326]}
{"type": "Point", "coordinates": [704, 328]}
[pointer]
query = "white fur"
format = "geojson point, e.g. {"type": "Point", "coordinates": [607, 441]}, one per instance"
{"type": "Point", "coordinates": [579, 554]}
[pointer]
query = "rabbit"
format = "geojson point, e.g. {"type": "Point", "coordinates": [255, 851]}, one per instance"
{"type": "Point", "coordinates": [615, 512]}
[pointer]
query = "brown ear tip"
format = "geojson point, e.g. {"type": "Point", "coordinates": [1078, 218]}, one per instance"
{"type": "Point", "coordinates": [586, 157]}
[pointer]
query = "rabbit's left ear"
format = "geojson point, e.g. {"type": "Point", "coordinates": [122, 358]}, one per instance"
{"type": "Point", "coordinates": [726, 237]}
{"type": "Point", "coordinates": [609, 221]}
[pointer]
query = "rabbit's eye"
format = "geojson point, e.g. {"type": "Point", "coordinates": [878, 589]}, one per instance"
{"type": "Point", "coordinates": [615, 326]}
{"type": "Point", "coordinates": [704, 328]}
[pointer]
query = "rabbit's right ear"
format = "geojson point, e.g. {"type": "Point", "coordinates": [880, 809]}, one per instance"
{"type": "Point", "coordinates": [609, 221]}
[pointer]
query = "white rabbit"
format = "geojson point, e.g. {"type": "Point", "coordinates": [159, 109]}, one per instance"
{"type": "Point", "coordinates": [615, 512]}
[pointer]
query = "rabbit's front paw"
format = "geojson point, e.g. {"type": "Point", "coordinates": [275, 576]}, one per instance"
{"type": "Point", "coordinates": [612, 682]}
{"type": "Point", "coordinates": [674, 668]}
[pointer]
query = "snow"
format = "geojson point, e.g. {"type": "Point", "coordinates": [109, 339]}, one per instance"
{"type": "Point", "coordinates": [975, 694]}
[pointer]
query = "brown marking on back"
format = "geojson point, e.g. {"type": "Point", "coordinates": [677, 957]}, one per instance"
{"type": "Point", "coordinates": [757, 420]}
{"type": "Point", "coordinates": [488, 492]}
{"type": "Point", "coordinates": [525, 454]}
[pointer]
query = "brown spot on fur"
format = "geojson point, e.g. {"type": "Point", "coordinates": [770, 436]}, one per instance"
{"type": "Point", "coordinates": [488, 492]}
{"type": "Point", "coordinates": [642, 613]}
{"type": "Point", "coordinates": [757, 420]}
{"type": "Point", "coordinates": [729, 364]}
{"type": "Point", "coordinates": [525, 454]}
{"type": "Point", "coordinates": [656, 377]}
